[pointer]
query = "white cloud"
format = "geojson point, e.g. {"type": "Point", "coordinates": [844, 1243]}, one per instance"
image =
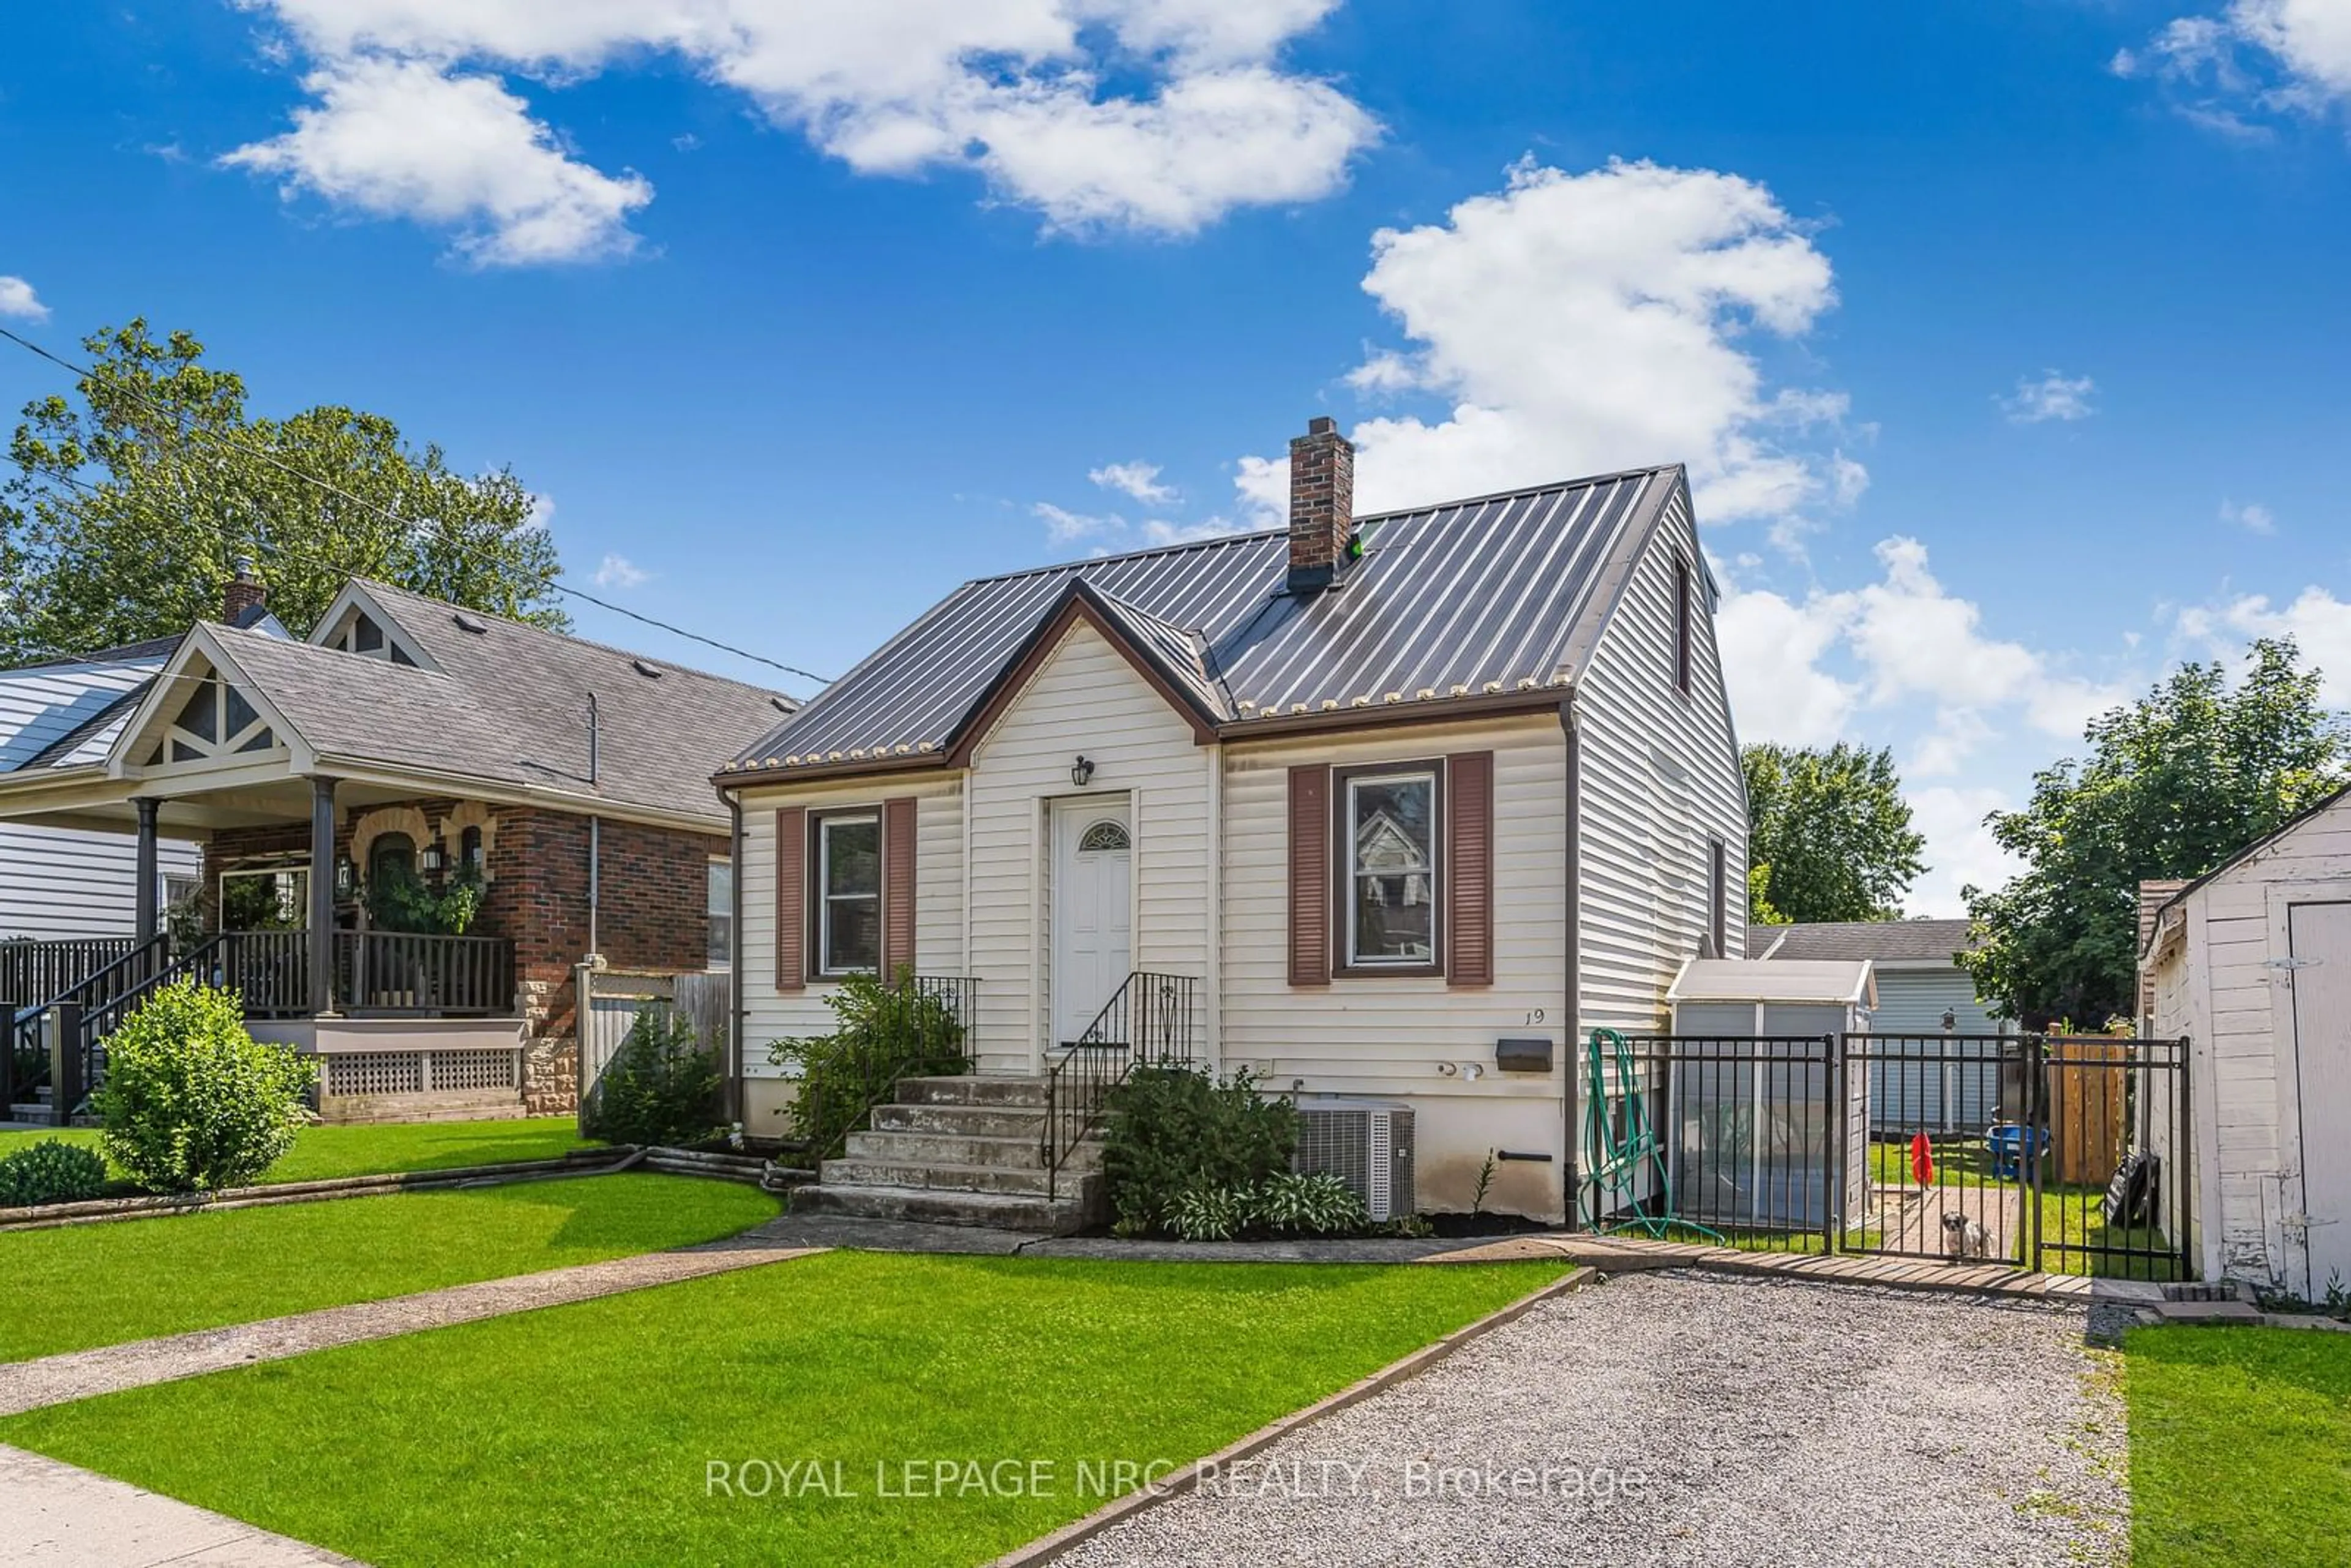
{"type": "Point", "coordinates": [1108, 533]}
{"type": "Point", "coordinates": [1772, 652]}
{"type": "Point", "coordinates": [401, 138]}
{"type": "Point", "coordinates": [2252, 517]}
{"type": "Point", "coordinates": [1580, 323]}
{"type": "Point", "coordinates": [18, 300]}
{"type": "Point", "coordinates": [2318, 621]}
{"type": "Point", "coordinates": [2053, 394]}
{"type": "Point", "coordinates": [619, 571]}
{"type": "Point", "coordinates": [2252, 59]}
{"type": "Point", "coordinates": [1155, 115]}
{"type": "Point", "coordinates": [1138, 479]}
{"type": "Point", "coordinates": [1960, 851]}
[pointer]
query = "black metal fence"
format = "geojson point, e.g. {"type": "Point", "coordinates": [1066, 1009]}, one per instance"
{"type": "Point", "coordinates": [1153, 1019]}
{"type": "Point", "coordinates": [2067, 1153]}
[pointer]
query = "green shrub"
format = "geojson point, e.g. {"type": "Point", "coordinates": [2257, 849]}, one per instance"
{"type": "Point", "coordinates": [51, 1171]}
{"type": "Point", "coordinates": [191, 1102]}
{"type": "Point", "coordinates": [886, 1033]}
{"type": "Point", "coordinates": [1319, 1205]}
{"type": "Point", "coordinates": [1173, 1131]}
{"type": "Point", "coordinates": [661, 1087]}
{"type": "Point", "coordinates": [1209, 1214]}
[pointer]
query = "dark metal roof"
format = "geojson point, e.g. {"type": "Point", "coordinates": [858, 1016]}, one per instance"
{"type": "Point", "coordinates": [1463, 601]}
{"type": "Point", "coordinates": [1883, 941]}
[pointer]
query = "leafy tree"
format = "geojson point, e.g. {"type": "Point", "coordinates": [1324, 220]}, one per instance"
{"type": "Point", "coordinates": [1829, 835]}
{"type": "Point", "coordinates": [2175, 784]}
{"type": "Point", "coordinates": [133, 502]}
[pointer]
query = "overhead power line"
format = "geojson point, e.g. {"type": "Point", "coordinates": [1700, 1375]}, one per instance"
{"type": "Point", "coordinates": [398, 521]}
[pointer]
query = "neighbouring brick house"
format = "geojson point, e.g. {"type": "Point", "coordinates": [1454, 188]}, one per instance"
{"type": "Point", "coordinates": [408, 740]}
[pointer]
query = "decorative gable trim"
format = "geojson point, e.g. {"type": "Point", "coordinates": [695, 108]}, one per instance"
{"type": "Point", "coordinates": [167, 729]}
{"type": "Point", "coordinates": [332, 631]}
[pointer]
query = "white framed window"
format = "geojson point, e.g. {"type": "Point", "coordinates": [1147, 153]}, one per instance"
{"type": "Point", "coordinates": [849, 893]}
{"type": "Point", "coordinates": [1391, 886]}
{"type": "Point", "coordinates": [720, 904]}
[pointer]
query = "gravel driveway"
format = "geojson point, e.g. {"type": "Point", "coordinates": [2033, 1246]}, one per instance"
{"type": "Point", "coordinates": [1769, 1423]}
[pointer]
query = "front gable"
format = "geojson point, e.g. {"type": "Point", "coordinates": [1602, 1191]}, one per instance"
{"type": "Point", "coordinates": [1084, 621]}
{"type": "Point", "coordinates": [202, 713]}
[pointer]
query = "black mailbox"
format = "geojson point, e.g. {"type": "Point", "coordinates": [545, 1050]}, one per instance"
{"type": "Point", "coordinates": [1522, 1055]}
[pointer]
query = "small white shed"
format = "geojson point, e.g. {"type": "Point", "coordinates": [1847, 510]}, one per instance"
{"type": "Point", "coordinates": [1752, 1113]}
{"type": "Point", "coordinates": [2252, 964]}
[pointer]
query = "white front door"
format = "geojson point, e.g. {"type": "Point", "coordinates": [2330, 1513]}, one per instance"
{"type": "Point", "coordinates": [1091, 909]}
{"type": "Point", "coordinates": [2319, 937]}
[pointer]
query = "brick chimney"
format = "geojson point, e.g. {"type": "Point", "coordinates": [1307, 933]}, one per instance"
{"type": "Point", "coordinates": [244, 591]}
{"type": "Point", "coordinates": [1321, 505]}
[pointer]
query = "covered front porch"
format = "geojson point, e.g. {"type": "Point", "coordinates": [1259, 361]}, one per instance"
{"type": "Point", "coordinates": [302, 878]}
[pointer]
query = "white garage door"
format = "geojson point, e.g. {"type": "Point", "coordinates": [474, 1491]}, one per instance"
{"type": "Point", "coordinates": [2320, 938]}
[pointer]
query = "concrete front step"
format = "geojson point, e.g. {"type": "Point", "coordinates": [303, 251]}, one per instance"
{"type": "Point", "coordinates": [1003, 1211]}
{"type": "Point", "coordinates": [856, 1171]}
{"type": "Point", "coordinates": [975, 1089]}
{"type": "Point", "coordinates": [962, 1120]}
{"type": "Point", "coordinates": [949, 1149]}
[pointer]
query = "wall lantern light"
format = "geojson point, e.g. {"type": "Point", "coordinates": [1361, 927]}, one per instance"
{"type": "Point", "coordinates": [1081, 771]}
{"type": "Point", "coordinates": [1951, 1021]}
{"type": "Point", "coordinates": [431, 858]}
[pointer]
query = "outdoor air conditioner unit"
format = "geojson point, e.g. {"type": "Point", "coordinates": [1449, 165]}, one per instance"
{"type": "Point", "coordinates": [1367, 1143]}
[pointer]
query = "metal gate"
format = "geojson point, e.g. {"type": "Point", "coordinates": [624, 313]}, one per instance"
{"type": "Point", "coordinates": [2058, 1153]}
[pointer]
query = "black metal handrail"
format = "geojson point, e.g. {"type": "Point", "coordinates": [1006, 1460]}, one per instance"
{"type": "Point", "coordinates": [32, 973]}
{"type": "Point", "coordinates": [417, 974]}
{"type": "Point", "coordinates": [1152, 1020]}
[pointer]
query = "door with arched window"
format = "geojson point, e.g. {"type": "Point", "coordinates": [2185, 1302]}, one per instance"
{"type": "Point", "coordinates": [1091, 909]}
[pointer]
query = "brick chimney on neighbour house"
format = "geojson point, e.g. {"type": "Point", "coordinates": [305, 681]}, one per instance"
{"type": "Point", "coordinates": [1321, 505]}
{"type": "Point", "coordinates": [242, 593]}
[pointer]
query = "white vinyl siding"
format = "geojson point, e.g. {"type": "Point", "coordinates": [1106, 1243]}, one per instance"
{"type": "Point", "coordinates": [1660, 782]}
{"type": "Point", "coordinates": [770, 1014]}
{"type": "Point", "coordinates": [61, 882]}
{"type": "Point", "coordinates": [1392, 1036]}
{"type": "Point", "coordinates": [1085, 698]}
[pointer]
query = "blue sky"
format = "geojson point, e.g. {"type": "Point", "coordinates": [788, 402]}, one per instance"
{"type": "Point", "coordinates": [2006, 343]}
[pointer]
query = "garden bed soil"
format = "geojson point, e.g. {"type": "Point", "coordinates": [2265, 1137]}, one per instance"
{"type": "Point", "coordinates": [1454, 1227]}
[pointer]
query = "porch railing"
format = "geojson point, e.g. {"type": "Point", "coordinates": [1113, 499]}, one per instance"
{"type": "Point", "coordinates": [1152, 1021]}
{"type": "Point", "coordinates": [402, 973]}
{"type": "Point", "coordinates": [93, 985]}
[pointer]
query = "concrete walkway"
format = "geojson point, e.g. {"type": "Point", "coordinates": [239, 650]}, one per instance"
{"type": "Point", "coordinates": [83, 1373]}
{"type": "Point", "coordinates": [62, 1517]}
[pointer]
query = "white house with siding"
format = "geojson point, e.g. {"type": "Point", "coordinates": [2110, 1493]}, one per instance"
{"type": "Point", "coordinates": [57, 883]}
{"type": "Point", "coordinates": [2252, 964]}
{"type": "Point", "coordinates": [1372, 796]}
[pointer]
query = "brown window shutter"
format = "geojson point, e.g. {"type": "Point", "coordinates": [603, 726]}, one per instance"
{"type": "Point", "coordinates": [897, 885]}
{"type": "Point", "coordinates": [791, 898]}
{"type": "Point", "coordinates": [1309, 875]}
{"type": "Point", "coordinates": [1470, 869]}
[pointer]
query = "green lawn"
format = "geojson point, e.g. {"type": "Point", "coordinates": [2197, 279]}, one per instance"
{"type": "Point", "coordinates": [2239, 1446]}
{"type": "Point", "coordinates": [379, 1149]}
{"type": "Point", "coordinates": [83, 1285]}
{"type": "Point", "coordinates": [2074, 1228]}
{"type": "Point", "coordinates": [585, 1433]}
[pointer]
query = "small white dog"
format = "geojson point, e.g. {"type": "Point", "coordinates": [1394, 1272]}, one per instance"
{"type": "Point", "coordinates": [1965, 1240]}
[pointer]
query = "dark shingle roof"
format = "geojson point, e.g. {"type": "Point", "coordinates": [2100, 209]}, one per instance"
{"type": "Point", "coordinates": [510, 704]}
{"type": "Point", "coordinates": [1883, 941]}
{"type": "Point", "coordinates": [1466, 600]}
